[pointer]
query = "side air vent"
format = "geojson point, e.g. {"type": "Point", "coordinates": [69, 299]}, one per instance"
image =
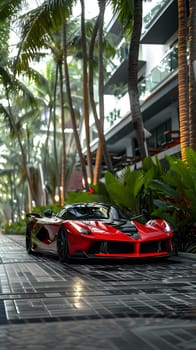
{"type": "Point", "coordinates": [153, 247]}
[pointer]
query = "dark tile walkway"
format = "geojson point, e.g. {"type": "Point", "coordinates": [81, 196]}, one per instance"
{"type": "Point", "coordinates": [95, 305]}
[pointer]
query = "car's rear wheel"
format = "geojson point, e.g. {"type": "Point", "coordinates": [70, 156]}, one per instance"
{"type": "Point", "coordinates": [28, 240]}
{"type": "Point", "coordinates": [62, 245]}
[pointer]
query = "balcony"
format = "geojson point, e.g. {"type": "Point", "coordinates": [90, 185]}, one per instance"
{"type": "Point", "coordinates": [118, 76]}
{"type": "Point", "coordinates": [167, 66]}
{"type": "Point", "coordinates": [160, 23]}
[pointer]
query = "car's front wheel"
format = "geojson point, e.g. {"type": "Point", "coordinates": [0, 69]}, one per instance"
{"type": "Point", "coordinates": [62, 245]}
{"type": "Point", "coordinates": [28, 240]}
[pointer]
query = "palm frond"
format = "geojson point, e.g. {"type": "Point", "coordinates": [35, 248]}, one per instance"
{"type": "Point", "coordinates": [8, 8]}
{"type": "Point", "coordinates": [37, 27]}
{"type": "Point", "coordinates": [5, 76]}
{"type": "Point", "coordinates": [125, 11]}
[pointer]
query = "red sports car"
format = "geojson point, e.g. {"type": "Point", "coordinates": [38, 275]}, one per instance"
{"type": "Point", "coordinates": [97, 230]}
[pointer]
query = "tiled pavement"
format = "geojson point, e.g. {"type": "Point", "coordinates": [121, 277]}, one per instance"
{"type": "Point", "coordinates": [95, 305]}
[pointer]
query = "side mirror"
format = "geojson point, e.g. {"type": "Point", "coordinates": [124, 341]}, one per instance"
{"type": "Point", "coordinates": [145, 213]}
{"type": "Point", "coordinates": [48, 213]}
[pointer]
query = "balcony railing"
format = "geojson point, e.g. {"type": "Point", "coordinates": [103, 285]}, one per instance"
{"type": "Point", "coordinates": [152, 14]}
{"type": "Point", "coordinates": [158, 74]}
{"type": "Point", "coordinates": [121, 54]}
{"type": "Point", "coordinates": [121, 107]}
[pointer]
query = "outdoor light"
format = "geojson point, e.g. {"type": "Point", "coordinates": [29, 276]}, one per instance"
{"type": "Point", "coordinates": [56, 198]}
{"type": "Point", "coordinates": [194, 68]}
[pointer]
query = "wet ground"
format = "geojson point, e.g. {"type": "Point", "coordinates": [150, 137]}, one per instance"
{"type": "Point", "coordinates": [142, 305]}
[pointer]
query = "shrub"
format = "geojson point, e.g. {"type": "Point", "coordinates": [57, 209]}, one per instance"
{"type": "Point", "coordinates": [15, 228]}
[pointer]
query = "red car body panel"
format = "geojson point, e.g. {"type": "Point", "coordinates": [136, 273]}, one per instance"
{"type": "Point", "coordinates": [103, 238]}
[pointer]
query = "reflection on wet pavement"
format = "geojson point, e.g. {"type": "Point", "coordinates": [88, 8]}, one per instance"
{"type": "Point", "coordinates": [40, 289]}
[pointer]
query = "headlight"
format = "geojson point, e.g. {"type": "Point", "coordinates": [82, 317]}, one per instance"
{"type": "Point", "coordinates": [167, 228]}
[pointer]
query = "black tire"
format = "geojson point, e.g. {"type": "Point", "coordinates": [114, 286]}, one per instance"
{"type": "Point", "coordinates": [29, 240]}
{"type": "Point", "coordinates": [62, 245]}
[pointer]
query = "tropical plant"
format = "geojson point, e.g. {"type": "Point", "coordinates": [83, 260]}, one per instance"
{"type": "Point", "coordinates": [176, 195]}
{"type": "Point", "coordinates": [15, 228]}
{"type": "Point", "coordinates": [125, 191]}
{"type": "Point", "coordinates": [165, 192]}
{"type": "Point", "coordinates": [38, 26]}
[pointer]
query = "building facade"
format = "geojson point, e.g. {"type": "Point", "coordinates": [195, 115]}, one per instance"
{"type": "Point", "coordinates": [157, 83]}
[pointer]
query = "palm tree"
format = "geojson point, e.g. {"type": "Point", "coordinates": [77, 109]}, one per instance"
{"type": "Point", "coordinates": [46, 89]}
{"type": "Point", "coordinates": [9, 10]}
{"type": "Point", "coordinates": [13, 93]}
{"type": "Point", "coordinates": [137, 119]}
{"type": "Point", "coordinates": [38, 26]}
{"type": "Point", "coordinates": [192, 76]}
{"type": "Point", "coordinates": [102, 143]}
{"type": "Point", "coordinates": [186, 76]}
{"type": "Point", "coordinates": [11, 186]}
{"type": "Point", "coordinates": [85, 90]}
{"type": "Point", "coordinates": [71, 109]}
{"type": "Point", "coordinates": [60, 173]}
{"type": "Point", "coordinates": [99, 119]}
{"type": "Point", "coordinates": [183, 95]}
{"type": "Point", "coordinates": [130, 15]}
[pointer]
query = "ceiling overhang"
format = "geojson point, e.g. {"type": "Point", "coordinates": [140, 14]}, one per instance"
{"type": "Point", "coordinates": [164, 25]}
{"type": "Point", "coordinates": [119, 77]}
{"type": "Point", "coordinates": [161, 98]}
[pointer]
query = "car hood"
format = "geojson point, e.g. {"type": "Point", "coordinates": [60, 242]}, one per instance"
{"type": "Point", "coordinates": [120, 227]}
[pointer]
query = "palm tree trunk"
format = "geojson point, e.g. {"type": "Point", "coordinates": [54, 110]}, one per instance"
{"type": "Point", "coordinates": [63, 164]}
{"type": "Point", "coordinates": [58, 181]}
{"type": "Point", "coordinates": [98, 159]}
{"type": "Point", "coordinates": [52, 119]}
{"type": "Point", "coordinates": [98, 123]}
{"type": "Point", "coordinates": [71, 109]}
{"type": "Point", "coordinates": [26, 170]}
{"type": "Point", "coordinates": [32, 193]}
{"type": "Point", "coordinates": [133, 79]}
{"type": "Point", "coordinates": [99, 153]}
{"type": "Point", "coordinates": [85, 91]}
{"type": "Point", "coordinates": [183, 78]}
{"type": "Point", "coordinates": [192, 77]}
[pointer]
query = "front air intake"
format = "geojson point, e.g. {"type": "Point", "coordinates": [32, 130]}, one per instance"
{"type": "Point", "coordinates": [111, 247]}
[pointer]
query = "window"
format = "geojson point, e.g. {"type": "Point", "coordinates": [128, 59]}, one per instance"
{"type": "Point", "coordinates": [158, 137]}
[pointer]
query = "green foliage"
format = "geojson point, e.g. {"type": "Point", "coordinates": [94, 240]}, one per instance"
{"type": "Point", "coordinates": [166, 193]}
{"type": "Point", "coordinates": [132, 190]}
{"type": "Point", "coordinates": [178, 187]}
{"type": "Point", "coordinates": [175, 196]}
{"type": "Point", "coordinates": [15, 228]}
{"type": "Point", "coordinates": [190, 247]}
{"type": "Point", "coordinates": [125, 11]}
{"type": "Point", "coordinates": [153, 166]}
{"type": "Point", "coordinates": [97, 193]}
{"type": "Point", "coordinates": [124, 192]}
{"type": "Point", "coordinates": [39, 209]}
